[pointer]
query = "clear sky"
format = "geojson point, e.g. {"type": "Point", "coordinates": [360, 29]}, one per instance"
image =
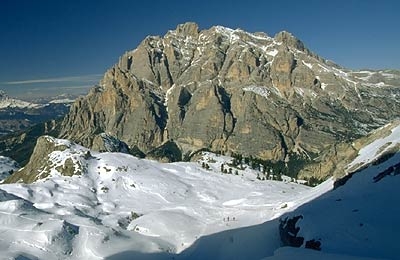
{"type": "Point", "coordinates": [68, 44]}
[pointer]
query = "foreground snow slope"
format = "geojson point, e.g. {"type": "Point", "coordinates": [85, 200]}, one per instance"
{"type": "Point", "coordinates": [359, 219]}
{"type": "Point", "coordinates": [122, 206]}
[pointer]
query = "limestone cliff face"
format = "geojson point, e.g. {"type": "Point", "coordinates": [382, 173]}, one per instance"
{"type": "Point", "coordinates": [122, 107]}
{"type": "Point", "coordinates": [229, 90]}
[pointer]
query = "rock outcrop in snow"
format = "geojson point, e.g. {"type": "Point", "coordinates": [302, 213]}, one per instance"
{"type": "Point", "coordinates": [52, 156]}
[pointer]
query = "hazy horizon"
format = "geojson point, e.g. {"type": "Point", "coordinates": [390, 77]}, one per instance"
{"type": "Point", "coordinates": [49, 87]}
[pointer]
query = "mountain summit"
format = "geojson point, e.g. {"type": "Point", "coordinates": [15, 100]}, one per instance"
{"type": "Point", "coordinates": [231, 91]}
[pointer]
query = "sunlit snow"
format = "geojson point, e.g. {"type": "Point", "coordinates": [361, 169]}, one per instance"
{"type": "Point", "coordinates": [124, 203]}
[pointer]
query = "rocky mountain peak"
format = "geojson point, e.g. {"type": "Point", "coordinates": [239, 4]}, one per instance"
{"type": "Point", "coordinates": [228, 90]}
{"type": "Point", "coordinates": [188, 29]}
{"type": "Point", "coordinates": [289, 40]}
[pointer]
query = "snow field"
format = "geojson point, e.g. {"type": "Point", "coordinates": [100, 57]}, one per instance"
{"type": "Point", "coordinates": [122, 207]}
{"type": "Point", "coordinates": [124, 203]}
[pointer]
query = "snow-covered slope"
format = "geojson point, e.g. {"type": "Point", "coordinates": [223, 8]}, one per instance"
{"type": "Point", "coordinates": [123, 204]}
{"type": "Point", "coordinates": [378, 147]}
{"type": "Point", "coordinates": [358, 219]}
{"type": "Point", "coordinates": [117, 206]}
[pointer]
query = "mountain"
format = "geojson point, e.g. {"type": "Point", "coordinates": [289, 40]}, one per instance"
{"type": "Point", "coordinates": [8, 102]}
{"type": "Point", "coordinates": [231, 91]}
{"type": "Point", "coordinates": [81, 204]}
{"type": "Point", "coordinates": [18, 115]}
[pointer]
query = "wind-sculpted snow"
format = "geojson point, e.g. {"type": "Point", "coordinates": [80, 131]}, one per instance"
{"type": "Point", "coordinates": [122, 203]}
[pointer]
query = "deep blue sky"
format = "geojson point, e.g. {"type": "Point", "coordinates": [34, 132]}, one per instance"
{"type": "Point", "coordinates": [56, 40]}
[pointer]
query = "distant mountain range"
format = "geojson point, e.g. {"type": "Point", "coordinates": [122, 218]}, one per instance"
{"type": "Point", "coordinates": [18, 115]}
{"type": "Point", "coordinates": [8, 102]}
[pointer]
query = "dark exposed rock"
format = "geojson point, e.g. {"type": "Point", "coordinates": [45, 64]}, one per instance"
{"type": "Point", "coordinates": [107, 143]}
{"type": "Point", "coordinates": [313, 244]}
{"type": "Point", "coordinates": [288, 232]}
{"type": "Point", "coordinates": [167, 152]}
{"type": "Point", "coordinates": [392, 170]}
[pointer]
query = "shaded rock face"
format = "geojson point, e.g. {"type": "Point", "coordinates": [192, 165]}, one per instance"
{"type": "Point", "coordinates": [107, 143]}
{"type": "Point", "coordinates": [20, 146]}
{"type": "Point", "coordinates": [288, 232]}
{"type": "Point", "coordinates": [229, 90]}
